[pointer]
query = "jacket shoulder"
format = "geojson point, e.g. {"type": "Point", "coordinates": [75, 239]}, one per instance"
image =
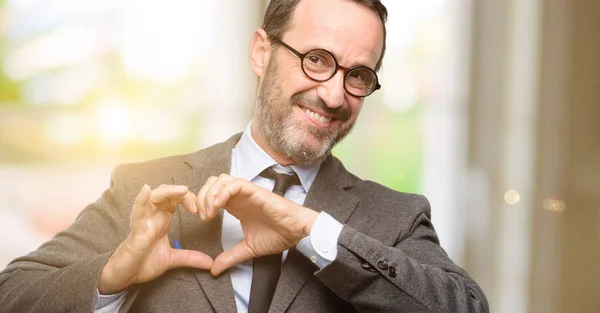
{"type": "Point", "coordinates": [164, 170]}
{"type": "Point", "coordinates": [151, 172]}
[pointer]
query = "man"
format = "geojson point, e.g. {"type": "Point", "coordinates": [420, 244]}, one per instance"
{"type": "Point", "coordinates": [348, 245]}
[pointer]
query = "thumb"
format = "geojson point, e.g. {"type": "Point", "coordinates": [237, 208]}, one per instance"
{"type": "Point", "coordinates": [190, 258]}
{"type": "Point", "coordinates": [237, 254]}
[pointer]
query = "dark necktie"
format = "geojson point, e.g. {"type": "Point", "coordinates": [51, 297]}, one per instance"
{"type": "Point", "coordinates": [266, 269]}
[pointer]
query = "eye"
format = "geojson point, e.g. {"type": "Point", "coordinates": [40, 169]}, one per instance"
{"type": "Point", "coordinates": [357, 76]}
{"type": "Point", "coordinates": [319, 60]}
{"type": "Point", "coordinates": [315, 60]}
{"type": "Point", "coordinates": [358, 79]}
{"type": "Point", "coordinates": [361, 80]}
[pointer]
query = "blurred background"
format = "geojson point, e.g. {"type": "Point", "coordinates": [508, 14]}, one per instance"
{"type": "Point", "coordinates": [491, 108]}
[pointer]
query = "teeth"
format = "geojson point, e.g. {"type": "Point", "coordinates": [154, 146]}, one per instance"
{"type": "Point", "coordinates": [317, 116]}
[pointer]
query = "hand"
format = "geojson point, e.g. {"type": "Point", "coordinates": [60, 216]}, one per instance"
{"type": "Point", "coordinates": [146, 252]}
{"type": "Point", "coordinates": [271, 224]}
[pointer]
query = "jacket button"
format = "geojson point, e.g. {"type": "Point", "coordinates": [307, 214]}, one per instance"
{"type": "Point", "coordinates": [367, 266]}
{"type": "Point", "coordinates": [392, 271]}
{"type": "Point", "coordinates": [382, 265]}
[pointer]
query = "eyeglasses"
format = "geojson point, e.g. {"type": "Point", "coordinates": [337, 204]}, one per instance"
{"type": "Point", "coordinates": [320, 65]}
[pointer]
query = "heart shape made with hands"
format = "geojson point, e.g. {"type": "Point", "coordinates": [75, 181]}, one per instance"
{"type": "Point", "coordinates": [271, 224]}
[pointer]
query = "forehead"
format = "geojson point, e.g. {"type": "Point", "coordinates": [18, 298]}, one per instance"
{"type": "Point", "coordinates": [352, 32]}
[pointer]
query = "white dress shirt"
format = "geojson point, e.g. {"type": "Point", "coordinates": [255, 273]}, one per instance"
{"type": "Point", "coordinates": [248, 160]}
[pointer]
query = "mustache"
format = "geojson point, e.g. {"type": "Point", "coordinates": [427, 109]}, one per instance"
{"type": "Point", "coordinates": [341, 113]}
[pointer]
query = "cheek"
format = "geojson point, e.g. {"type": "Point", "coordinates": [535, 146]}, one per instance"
{"type": "Point", "coordinates": [296, 82]}
{"type": "Point", "coordinates": [355, 106]}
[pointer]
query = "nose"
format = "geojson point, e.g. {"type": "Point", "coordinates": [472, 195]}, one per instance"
{"type": "Point", "coordinates": [332, 91]}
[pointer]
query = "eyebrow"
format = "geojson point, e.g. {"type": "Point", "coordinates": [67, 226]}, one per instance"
{"type": "Point", "coordinates": [354, 64]}
{"type": "Point", "coordinates": [294, 50]}
{"type": "Point", "coordinates": [337, 58]}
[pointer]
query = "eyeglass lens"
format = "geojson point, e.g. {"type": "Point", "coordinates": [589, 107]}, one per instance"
{"type": "Point", "coordinates": [320, 65]}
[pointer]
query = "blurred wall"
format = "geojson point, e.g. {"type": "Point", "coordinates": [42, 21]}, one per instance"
{"type": "Point", "coordinates": [535, 137]}
{"type": "Point", "coordinates": [570, 162]}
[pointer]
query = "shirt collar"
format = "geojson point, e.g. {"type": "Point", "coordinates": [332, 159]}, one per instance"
{"type": "Point", "coordinates": [251, 160]}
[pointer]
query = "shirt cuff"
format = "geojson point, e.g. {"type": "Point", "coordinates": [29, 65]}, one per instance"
{"type": "Point", "coordinates": [321, 245]}
{"type": "Point", "coordinates": [104, 300]}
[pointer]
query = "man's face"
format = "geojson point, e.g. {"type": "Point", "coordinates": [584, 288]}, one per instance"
{"type": "Point", "coordinates": [298, 120]}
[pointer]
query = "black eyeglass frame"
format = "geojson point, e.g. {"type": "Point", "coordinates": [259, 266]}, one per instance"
{"type": "Point", "coordinates": [346, 70]}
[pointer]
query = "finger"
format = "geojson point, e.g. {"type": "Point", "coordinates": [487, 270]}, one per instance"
{"type": "Point", "coordinates": [253, 195]}
{"type": "Point", "coordinates": [140, 202]}
{"type": "Point", "coordinates": [190, 258]}
{"type": "Point", "coordinates": [188, 202]}
{"type": "Point", "coordinates": [237, 254]}
{"type": "Point", "coordinates": [212, 190]}
{"type": "Point", "coordinates": [211, 194]}
{"type": "Point", "coordinates": [230, 190]}
{"type": "Point", "coordinates": [202, 195]}
{"type": "Point", "coordinates": [166, 197]}
{"type": "Point", "coordinates": [173, 193]}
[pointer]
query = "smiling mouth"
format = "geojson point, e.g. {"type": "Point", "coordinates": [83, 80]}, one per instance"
{"type": "Point", "coordinates": [317, 116]}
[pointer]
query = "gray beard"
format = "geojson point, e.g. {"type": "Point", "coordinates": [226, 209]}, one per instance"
{"type": "Point", "coordinates": [280, 129]}
{"type": "Point", "coordinates": [284, 140]}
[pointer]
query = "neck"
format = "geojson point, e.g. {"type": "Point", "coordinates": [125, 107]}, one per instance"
{"type": "Point", "coordinates": [261, 141]}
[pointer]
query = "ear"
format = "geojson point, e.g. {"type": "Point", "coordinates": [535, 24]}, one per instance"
{"type": "Point", "coordinates": [260, 52]}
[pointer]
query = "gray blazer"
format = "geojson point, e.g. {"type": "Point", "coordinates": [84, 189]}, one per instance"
{"type": "Point", "coordinates": [389, 258]}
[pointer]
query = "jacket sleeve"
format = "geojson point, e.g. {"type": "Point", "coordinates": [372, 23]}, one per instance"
{"type": "Point", "coordinates": [62, 274]}
{"type": "Point", "coordinates": [412, 275]}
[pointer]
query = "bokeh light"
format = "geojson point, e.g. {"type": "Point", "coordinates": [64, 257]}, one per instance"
{"type": "Point", "coordinates": [113, 122]}
{"type": "Point", "coordinates": [554, 205]}
{"type": "Point", "coordinates": [512, 197]}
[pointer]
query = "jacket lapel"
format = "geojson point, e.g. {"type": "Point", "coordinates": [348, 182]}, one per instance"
{"type": "Point", "coordinates": [328, 193]}
{"type": "Point", "coordinates": [206, 236]}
